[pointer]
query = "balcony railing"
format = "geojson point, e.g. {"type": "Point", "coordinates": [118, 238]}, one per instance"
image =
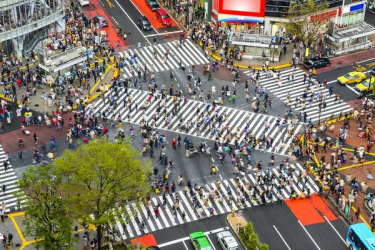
{"type": "Point", "coordinates": [12, 31]}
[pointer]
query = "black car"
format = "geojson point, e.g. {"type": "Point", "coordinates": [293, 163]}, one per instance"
{"type": "Point", "coordinates": [317, 62]}
{"type": "Point", "coordinates": [144, 24]}
{"type": "Point", "coordinates": [154, 6]}
{"type": "Point", "coordinates": [153, 248]}
{"type": "Point", "coordinates": [373, 71]}
{"type": "Point", "coordinates": [101, 20]}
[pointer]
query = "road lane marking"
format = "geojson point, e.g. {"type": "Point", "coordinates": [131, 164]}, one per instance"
{"type": "Point", "coordinates": [188, 238]}
{"type": "Point", "coordinates": [309, 235]}
{"type": "Point", "coordinates": [335, 231]}
{"type": "Point", "coordinates": [111, 5]}
{"type": "Point", "coordinates": [352, 89]}
{"type": "Point", "coordinates": [162, 34]}
{"type": "Point", "coordinates": [281, 237]}
{"type": "Point", "coordinates": [173, 242]}
{"type": "Point", "coordinates": [211, 243]}
{"type": "Point", "coordinates": [185, 245]}
{"type": "Point", "coordinates": [131, 20]}
{"type": "Point", "coordinates": [115, 20]}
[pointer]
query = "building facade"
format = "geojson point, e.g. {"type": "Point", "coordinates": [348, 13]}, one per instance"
{"type": "Point", "coordinates": [268, 17]}
{"type": "Point", "coordinates": [24, 23]}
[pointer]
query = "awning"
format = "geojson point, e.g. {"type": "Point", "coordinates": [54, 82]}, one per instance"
{"type": "Point", "coordinates": [352, 32]}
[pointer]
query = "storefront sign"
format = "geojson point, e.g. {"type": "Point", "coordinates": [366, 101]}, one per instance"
{"type": "Point", "coordinates": [240, 19]}
{"type": "Point", "coordinates": [324, 16]}
{"type": "Point", "coordinates": [253, 8]}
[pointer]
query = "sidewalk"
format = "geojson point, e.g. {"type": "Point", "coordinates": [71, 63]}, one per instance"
{"type": "Point", "coordinates": [14, 225]}
{"type": "Point", "coordinates": [352, 170]}
{"type": "Point", "coordinates": [236, 222]}
{"type": "Point", "coordinates": [37, 103]}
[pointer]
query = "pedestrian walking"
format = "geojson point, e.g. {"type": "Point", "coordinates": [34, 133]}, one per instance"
{"type": "Point", "coordinates": [4, 188]}
{"type": "Point", "coordinates": [36, 138]}
{"type": "Point", "coordinates": [5, 164]}
{"type": "Point", "coordinates": [357, 213]}
{"type": "Point", "coordinates": [213, 170]}
{"type": "Point", "coordinates": [20, 154]}
{"type": "Point", "coordinates": [2, 215]}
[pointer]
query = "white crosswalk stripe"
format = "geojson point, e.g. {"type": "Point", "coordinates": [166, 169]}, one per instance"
{"type": "Point", "coordinates": [130, 227]}
{"type": "Point", "coordinates": [237, 119]}
{"type": "Point", "coordinates": [297, 88]}
{"type": "Point", "coordinates": [8, 179]}
{"type": "Point", "coordinates": [188, 54]}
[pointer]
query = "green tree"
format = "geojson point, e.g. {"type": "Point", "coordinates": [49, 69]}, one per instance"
{"type": "Point", "coordinates": [250, 239]}
{"type": "Point", "coordinates": [302, 26]}
{"type": "Point", "coordinates": [46, 215]}
{"type": "Point", "coordinates": [99, 176]}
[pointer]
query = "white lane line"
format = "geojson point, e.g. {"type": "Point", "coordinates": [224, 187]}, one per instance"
{"type": "Point", "coordinates": [115, 20]}
{"type": "Point", "coordinates": [212, 245]}
{"type": "Point", "coordinates": [281, 237]}
{"type": "Point", "coordinates": [220, 176]}
{"type": "Point", "coordinates": [335, 231]}
{"type": "Point", "coordinates": [173, 242]}
{"type": "Point", "coordinates": [131, 20]}
{"type": "Point", "coordinates": [162, 34]}
{"type": "Point", "coordinates": [185, 245]}
{"type": "Point", "coordinates": [352, 89]}
{"type": "Point", "coordinates": [309, 235]}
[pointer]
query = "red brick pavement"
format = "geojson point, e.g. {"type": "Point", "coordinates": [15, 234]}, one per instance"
{"type": "Point", "coordinates": [360, 172]}
{"type": "Point", "coordinates": [9, 141]}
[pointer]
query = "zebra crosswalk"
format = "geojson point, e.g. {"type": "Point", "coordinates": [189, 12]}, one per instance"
{"type": "Point", "coordinates": [8, 180]}
{"type": "Point", "coordinates": [260, 125]}
{"type": "Point", "coordinates": [296, 89]}
{"type": "Point", "coordinates": [214, 200]}
{"type": "Point", "coordinates": [187, 54]}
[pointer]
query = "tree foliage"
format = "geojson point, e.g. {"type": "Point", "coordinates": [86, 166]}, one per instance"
{"type": "Point", "coordinates": [250, 238]}
{"type": "Point", "coordinates": [46, 216]}
{"type": "Point", "coordinates": [300, 24]}
{"type": "Point", "coordinates": [99, 177]}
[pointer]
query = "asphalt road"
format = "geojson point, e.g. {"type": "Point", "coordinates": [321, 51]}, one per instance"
{"type": "Point", "coordinates": [126, 15]}
{"type": "Point", "coordinates": [269, 218]}
{"type": "Point", "coordinates": [175, 237]}
{"type": "Point", "coordinates": [347, 93]}
{"type": "Point", "coordinates": [275, 225]}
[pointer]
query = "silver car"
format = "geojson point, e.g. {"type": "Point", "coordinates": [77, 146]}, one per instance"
{"type": "Point", "coordinates": [227, 241]}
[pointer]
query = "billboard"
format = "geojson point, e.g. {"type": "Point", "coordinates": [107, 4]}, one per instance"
{"type": "Point", "coordinates": [255, 8]}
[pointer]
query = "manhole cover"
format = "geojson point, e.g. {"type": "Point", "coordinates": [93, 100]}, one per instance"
{"type": "Point", "coordinates": [36, 105]}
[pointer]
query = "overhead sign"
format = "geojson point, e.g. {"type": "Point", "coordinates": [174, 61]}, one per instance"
{"type": "Point", "coordinates": [253, 8]}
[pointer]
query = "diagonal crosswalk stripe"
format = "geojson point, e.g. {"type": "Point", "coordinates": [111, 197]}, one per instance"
{"type": "Point", "coordinates": [297, 88]}
{"type": "Point", "coordinates": [9, 179]}
{"type": "Point", "coordinates": [129, 227]}
{"type": "Point", "coordinates": [188, 54]}
{"type": "Point", "coordinates": [188, 112]}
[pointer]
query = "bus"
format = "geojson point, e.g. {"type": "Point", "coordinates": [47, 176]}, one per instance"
{"type": "Point", "coordinates": [360, 237]}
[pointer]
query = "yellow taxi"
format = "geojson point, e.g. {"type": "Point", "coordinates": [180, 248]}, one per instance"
{"type": "Point", "coordinates": [366, 85]}
{"type": "Point", "coordinates": [351, 77]}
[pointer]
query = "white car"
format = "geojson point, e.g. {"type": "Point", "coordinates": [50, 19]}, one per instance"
{"type": "Point", "coordinates": [227, 241]}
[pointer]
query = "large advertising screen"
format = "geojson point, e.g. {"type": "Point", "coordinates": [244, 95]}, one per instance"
{"type": "Point", "coordinates": [255, 8]}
